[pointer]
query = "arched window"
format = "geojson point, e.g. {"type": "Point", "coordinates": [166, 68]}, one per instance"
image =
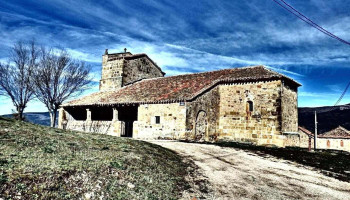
{"type": "Point", "coordinates": [250, 106]}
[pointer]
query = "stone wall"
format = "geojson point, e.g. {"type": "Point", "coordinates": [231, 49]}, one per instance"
{"type": "Point", "coordinates": [289, 109]}
{"type": "Point", "coordinates": [208, 105]}
{"type": "Point", "coordinates": [292, 140]}
{"type": "Point", "coordinates": [259, 126]}
{"type": "Point", "coordinates": [304, 140]}
{"type": "Point", "coordinates": [65, 121]}
{"type": "Point", "coordinates": [333, 143]}
{"type": "Point", "coordinates": [139, 68]}
{"type": "Point", "coordinates": [118, 71]}
{"type": "Point", "coordinates": [112, 71]}
{"type": "Point", "coordinates": [103, 127]}
{"type": "Point", "coordinates": [172, 121]}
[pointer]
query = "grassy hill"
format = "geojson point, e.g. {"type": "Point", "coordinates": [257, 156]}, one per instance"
{"type": "Point", "coordinates": [327, 120]}
{"type": "Point", "coordinates": [38, 162]}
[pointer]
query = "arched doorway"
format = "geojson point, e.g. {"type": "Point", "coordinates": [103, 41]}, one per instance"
{"type": "Point", "coordinates": [201, 125]}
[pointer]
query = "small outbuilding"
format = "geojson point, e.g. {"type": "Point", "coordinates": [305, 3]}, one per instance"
{"type": "Point", "coordinates": [336, 139]}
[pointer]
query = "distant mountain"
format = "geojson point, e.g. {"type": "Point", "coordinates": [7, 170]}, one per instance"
{"type": "Point", "coordinates": [328, 117]}
{"type": "Point", "coordinates": [42, 118]}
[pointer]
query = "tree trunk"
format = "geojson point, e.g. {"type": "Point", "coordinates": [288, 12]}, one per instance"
{"type": "Point", "coordinates": [20, 110]}
{"type": "Point", "coordinates": [53, 116]}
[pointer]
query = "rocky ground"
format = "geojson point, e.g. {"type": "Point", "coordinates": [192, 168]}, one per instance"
{"type": "Point", "coordinates": [237, 174]}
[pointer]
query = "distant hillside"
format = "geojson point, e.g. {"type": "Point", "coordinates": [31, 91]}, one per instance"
{"type": "Point", "coordinates": [327, 120]}
{"type": "Point", "coordinates": [41, 118]}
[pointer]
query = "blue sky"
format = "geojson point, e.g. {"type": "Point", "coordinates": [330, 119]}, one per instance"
{"type": "Point", "coordinates": [187, 36]}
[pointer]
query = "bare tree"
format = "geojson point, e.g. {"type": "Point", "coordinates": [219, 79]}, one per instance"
{"type": "Point", "coordinates": [15, 75]}
{"type": "Point", "coordinates": [57, 78]}
{"type": "Point", "coordinates": [2, 91]}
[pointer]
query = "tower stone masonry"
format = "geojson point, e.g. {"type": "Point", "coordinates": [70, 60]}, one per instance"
{"type": "Point", "coordinates": [121, 69]}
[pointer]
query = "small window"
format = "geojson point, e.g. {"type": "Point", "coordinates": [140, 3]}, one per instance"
{"type": "Point", "coordinates": [250, 106]}
{"type": "Point", "coordinates": [157, 119]}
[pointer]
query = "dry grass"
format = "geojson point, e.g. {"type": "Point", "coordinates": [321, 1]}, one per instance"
{"type": "Point", "coordinates": [38, 162]}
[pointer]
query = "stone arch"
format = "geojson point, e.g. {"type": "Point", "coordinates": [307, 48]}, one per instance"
{"type": "Point", "coordinates": [201, 125]}
{"type": "Point", "coordinates": [249, 109]}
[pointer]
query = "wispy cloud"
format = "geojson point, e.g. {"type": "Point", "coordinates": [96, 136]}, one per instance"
{"type": "Point", "coordinates": [314, 94]}
{"type": "Point", "coordinates": [187, 36]}
{"type": "Point", "coordinates": [336, 88]}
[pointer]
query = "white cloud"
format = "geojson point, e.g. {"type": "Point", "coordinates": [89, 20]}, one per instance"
{"type": "Point", "coordinates": [311, 94]}
{"type": "Point", "coordinates": [284, 71]}
{"type": "Point", "coordinates": [181, 38]}
{"type": "Point", "coordinates": [83, 56]}
{"type": "Point", "coordinates": [336, 88]}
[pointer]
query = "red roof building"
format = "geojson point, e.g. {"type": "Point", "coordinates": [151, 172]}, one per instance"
{"type": "Point", "coordinates": [251, 104]}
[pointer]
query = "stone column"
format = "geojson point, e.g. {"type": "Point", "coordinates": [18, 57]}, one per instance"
{"type": "Point", "coordinates": [88, 114]}
{"type": "Point", "coordinates": [115, 114]}
{"type": "Point", "coordinates": [60, 117]}
{"type": "Point", "coordinates": [116, 123]}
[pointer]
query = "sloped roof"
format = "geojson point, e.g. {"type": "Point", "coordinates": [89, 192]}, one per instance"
{"type": "Point", "coordinates": [307, 132]}
{"type": "Point", "coordinates": [338, 132]}
{"type": "Point", "coordinates": [178, 88]}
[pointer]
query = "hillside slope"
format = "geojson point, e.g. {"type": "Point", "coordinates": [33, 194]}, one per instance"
{"type": "Point", "coordinates": [327, 120]}
{"type": "Point", "coordinates": [38, 162]}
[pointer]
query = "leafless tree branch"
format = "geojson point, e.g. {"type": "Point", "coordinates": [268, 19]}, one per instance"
{"type": "Point", "coordinates": [58, 77]}
{"type": "Point", "coordinates": [15, 75]}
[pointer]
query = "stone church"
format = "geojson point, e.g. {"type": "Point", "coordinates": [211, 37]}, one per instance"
{"type": "Point", "coordinates": [247, 104]}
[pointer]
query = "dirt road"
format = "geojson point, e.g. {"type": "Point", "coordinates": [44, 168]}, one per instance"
{"type": "Point", "coordinates": [237, 174]}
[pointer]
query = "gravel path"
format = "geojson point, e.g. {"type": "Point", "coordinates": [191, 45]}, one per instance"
{"type": "Point", "coordinates": [237, 174]}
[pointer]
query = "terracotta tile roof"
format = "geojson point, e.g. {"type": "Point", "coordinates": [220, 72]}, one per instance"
{"type": "Point", "coordinates": [178, 88]}
{"type": "Point", "coordinates": [338, 132]}
{"type": "Point", "coordinates": [304, 130]}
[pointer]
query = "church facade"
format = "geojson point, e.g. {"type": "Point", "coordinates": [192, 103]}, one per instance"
{"type": "Point", "coordinates": [248, 104]}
